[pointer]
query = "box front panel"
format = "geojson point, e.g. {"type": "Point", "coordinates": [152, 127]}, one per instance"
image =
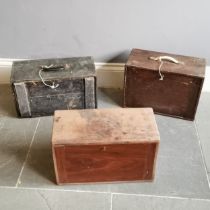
{"type": "Point", "coordinates": [175, 95]}
{"type": "Point", "coordinates": [70, 94]}
{"type": "Point", "coordinates": [45, 100]}
{"type": "Point", "coordinates": [38, 89]}
{"type": "Point", "coordinates": [46, 105]}
{"type": "Point", "coordinates": [104, 163]}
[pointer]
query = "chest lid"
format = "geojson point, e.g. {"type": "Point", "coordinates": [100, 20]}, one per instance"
{"type": "Point", "coordinates": [105, 126]}
{"type": "Point", "coordinates": [77, 67]}
{"type": "Point", "coordinates": [143, 59]}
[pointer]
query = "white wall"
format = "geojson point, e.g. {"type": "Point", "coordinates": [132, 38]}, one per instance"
{"type": "Point", "coordinates": [106, 29]}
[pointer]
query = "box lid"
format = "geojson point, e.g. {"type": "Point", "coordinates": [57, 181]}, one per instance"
{"type": "Point", "coordinates": [104, 126]}
{"type": "Point", "coordinates": [28, 70]}
{"type": "Point", "coordinates": [188, 65]}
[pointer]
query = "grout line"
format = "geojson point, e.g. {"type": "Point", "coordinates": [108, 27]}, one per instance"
{"type": "Point", "coordinates": [202, 154]}
{"type": "Point", "coordinates": [53, 189]}
{"type": "Point", "coordinates": [18, 180]}
{"type": "Point", "coordinates": [45, 200]}
{"type": "Point", "coordinates": [101, 192]}
{"type": "Point", "coordinates": [161, 196]}
{"type": "Point", "coordinates": [111, 201]}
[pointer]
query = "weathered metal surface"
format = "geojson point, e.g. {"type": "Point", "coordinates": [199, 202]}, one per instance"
{"type": "Point", "coordinates": [176, 95]}
{"type": "Point", "coordinates": [104, 145]}
{"type": "Point", "coordinates": [74, 79]}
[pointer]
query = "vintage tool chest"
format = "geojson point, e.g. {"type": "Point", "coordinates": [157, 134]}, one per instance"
{"type": "Point", "coordinates": [43, 86]}
{"type": "Point", "coordinates": [170, 84]}
{"type": "Point", "coordinates": [104, 145]}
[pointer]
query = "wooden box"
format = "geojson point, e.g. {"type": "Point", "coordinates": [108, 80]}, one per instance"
{"type": "Point", "coordinates": [170, 84]}
{"type": "Point", "coordinates": [104, 145]}
{"type": "Point", "coordinates": [43, 86]}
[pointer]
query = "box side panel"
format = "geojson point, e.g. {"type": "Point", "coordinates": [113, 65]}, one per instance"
{"type": "Point", "coordinates": [154, 150]}
{"type": "Point", "coordinates": [175, 95]}
{"type": "Point", "coordinates": [125, 87]}
{"type": "Point", "coordinates": [198, 97]}
{"type": "Point", "coordinates": [90, 92]}
{"type": "Point", "coordinates": [22, 99]}
{"type": "Point", "coordinates": [58, 152]}
{"type": "Point", "coordinates": [105, 163]}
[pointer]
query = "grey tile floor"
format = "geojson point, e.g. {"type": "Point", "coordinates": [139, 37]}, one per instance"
{"type": "Point", "coordinates": [27, 176]}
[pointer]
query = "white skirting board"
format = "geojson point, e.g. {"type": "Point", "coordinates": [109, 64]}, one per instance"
{"type": "Point", "coordinates": [109, 75]}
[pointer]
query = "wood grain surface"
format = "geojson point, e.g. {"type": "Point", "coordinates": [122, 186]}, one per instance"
{"type": "Point", "coordinates": [76, 88]}
{"type": "Point", "coordinates": [176, 95]}
{"type": "Point", "coordinates": [104, 145]}
{"type": "Point", "coordinates": [104, 126]}
{"type": "Point", "coordinates": [190, 66]}
{"type": "Point", "coordinates": [76, 67]}
{"type": "Point", "coordinates": [105, 163]}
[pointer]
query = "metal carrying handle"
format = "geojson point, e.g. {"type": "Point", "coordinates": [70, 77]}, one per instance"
{"type": "Point", "coordinates": [50, 68]}
{"type": "Point", "coordinates": [161, 59]}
